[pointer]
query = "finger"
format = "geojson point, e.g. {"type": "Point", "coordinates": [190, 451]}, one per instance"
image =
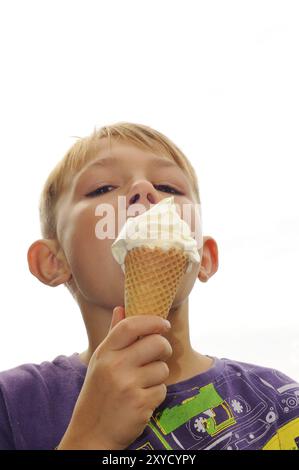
{"type": "Point", "coordinates": [154, 396]}
{"type": "Point", "coordinates": [152, 374]}
{"type": "Point", "coordinates": [128, 330]}
{"type": "Point", "coordinates": [149, 349]}
{"type": "Point", "coordinates": [117, 316]}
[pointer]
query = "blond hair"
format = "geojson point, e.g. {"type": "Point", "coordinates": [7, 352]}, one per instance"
{"type": "Point", "coordinates": [83, 150]}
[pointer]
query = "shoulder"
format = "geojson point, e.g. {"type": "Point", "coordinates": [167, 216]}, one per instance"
{"type": "Point", "coordinates": [269, 377]}
{"type": "Point", "coordinates": [32, 394]}
{"type": "Point", "coordinates": [30, 376]}
{"type": "Point", "coordinates": [272, 382]}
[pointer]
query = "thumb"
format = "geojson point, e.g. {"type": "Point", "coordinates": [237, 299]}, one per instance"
{"type": "Point", "coordinates": [117, 316]}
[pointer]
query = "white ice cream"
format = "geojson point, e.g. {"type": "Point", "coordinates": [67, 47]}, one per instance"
{"type": "Point", "coordinates": [160, 226]}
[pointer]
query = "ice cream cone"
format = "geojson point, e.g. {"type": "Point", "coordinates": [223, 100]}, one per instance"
{"type": "Point", "coordinates": [152, 277]}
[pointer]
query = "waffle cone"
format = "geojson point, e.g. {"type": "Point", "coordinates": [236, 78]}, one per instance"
{"type": "Point", "coordinates": [152, 277]}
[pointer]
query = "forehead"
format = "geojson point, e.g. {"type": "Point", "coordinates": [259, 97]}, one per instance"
{"type": "Point", "coordinates": [126, 152]}
{"type": "Point", "coordinates": [122, 153]}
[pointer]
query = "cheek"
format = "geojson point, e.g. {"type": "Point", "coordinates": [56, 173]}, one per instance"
{"type": "Point", "coordinates": [91, 261]}
{"type": "Point", "coordinates": [186, 285]}
{"type": "Point", "coordinates": [190, 212]}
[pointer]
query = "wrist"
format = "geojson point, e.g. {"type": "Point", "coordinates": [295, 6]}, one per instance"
{"type": "Point", "coordinates": [72, 442]}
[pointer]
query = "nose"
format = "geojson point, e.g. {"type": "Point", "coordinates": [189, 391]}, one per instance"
{"type": "Point", "coordinates": [142, 192]}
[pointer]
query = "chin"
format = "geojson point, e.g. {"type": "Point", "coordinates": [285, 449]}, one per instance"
{"type": "Point", "coordinates": [181, 297]}
{"type": "Point", "coordinates": [185, 287]}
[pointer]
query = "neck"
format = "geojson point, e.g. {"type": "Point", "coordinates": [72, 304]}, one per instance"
{"type": "Point", "coordinates": [184, 362]}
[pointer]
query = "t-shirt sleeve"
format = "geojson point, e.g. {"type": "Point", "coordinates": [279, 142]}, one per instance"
{"type": "Point", "coordinates": [6, 436]}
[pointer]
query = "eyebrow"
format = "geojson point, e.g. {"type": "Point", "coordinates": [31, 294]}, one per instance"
{"type": "Point", "coordinates": [112, 161]}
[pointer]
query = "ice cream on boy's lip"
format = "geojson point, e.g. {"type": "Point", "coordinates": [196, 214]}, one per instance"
{"type": "Point", "coordinates": [155, 250]}
{"type": "Point", "coordinates": [160, 227]}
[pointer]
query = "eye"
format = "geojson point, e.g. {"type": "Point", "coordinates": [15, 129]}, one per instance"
{"type": "Point", "coordinates": [100, 190]}
{"type": "Point", "coordinates": [167, 189]}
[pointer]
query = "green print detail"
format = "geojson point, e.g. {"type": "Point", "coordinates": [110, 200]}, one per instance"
{"type": "Point", "coordinates": [161, 438]}
{"type": "Point", "coordinates": [211, 425]}
{"type": "Point", "coordinates": [207, 398]}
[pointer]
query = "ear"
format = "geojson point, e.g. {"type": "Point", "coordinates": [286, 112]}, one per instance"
{"type": "Point", "coordinates": [209, 259]}
{"type": "Point", "coordinates": [47, 262]}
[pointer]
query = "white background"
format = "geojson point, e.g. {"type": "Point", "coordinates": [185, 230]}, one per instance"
{"type": "Point", "coordinates": [220, 78]}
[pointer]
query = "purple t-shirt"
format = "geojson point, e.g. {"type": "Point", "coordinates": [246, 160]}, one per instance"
{"type": "Point", "coordinates": [231, 406]}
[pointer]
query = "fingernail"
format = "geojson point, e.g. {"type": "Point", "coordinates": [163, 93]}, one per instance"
{"type": "Point", "coordinates": [167, 323]}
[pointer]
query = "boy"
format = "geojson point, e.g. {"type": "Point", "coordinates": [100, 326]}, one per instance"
{"type": "Point", "coordinates": [139, 384]}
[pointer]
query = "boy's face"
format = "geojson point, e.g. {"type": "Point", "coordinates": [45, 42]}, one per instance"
{"type": "Point", "coordinates": [140, 177]}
